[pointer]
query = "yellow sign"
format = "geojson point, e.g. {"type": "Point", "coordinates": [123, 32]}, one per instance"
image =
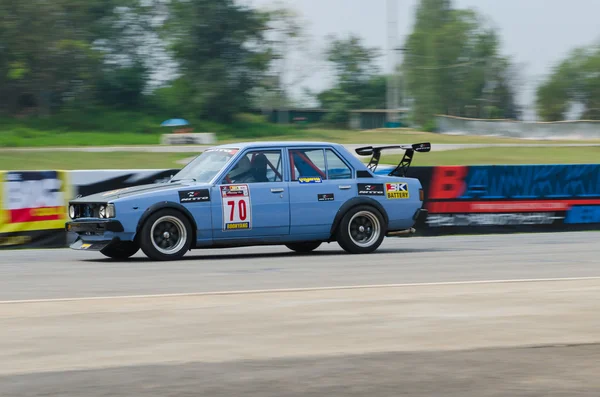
{"type": "Point", "coordinates": [396, 190]}
{"type": "Point", "coordinates": [310, 179]}
{"type": "Point", "coordinates": [243, 225]}
{"type": "Point", "coordinates": [33, 200]}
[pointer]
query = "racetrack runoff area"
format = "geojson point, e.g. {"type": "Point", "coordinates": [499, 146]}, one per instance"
{"type": "Point", "coordinates": [461, 316]}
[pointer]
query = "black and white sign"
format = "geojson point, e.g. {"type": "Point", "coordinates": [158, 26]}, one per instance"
{"type": "Point", "coordinates": [370, 189]}
{"type": "Point", "coordinates": [194, 196]}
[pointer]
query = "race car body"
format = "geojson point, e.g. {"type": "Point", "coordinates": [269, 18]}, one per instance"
{"type": "Point", "coordinates": [299, 194]}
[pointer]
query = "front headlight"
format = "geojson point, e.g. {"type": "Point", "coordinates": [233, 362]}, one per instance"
{"type": "Point", "coordinates": [72, 211]}
{"type": "Point", "coordinates": [107, 211]}
{"type": "Point", "coordinates": [110, 211]}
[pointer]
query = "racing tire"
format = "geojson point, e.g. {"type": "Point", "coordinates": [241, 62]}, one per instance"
{"type": "Point", "coordinates": [304, 248]}
{"type": "Point", "coordinates": [361, 230]}
{"type": "Point", "coordinates": [120, 250]}
{"type": "Point", "coordinates": [166, 235]}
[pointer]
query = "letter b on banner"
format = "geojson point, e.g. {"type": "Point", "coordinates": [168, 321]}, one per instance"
{"type": "Point", "coordinates": [447, 182]}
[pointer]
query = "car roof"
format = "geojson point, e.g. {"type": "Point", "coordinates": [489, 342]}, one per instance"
{"type": "Point", "coordinates": [245, 145]}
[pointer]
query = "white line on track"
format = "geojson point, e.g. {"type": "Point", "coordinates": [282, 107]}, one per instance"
{"type": "Point", "coordinates": [283, 290]}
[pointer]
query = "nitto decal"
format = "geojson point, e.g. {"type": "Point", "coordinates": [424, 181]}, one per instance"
{"type": "Point", "coordinates": [194, 196]}
{"type": "Point", "coordinates": [396, 190]}
{"type": "Point", "coordinates": [325, 197]}
{"type": "Point", "coordinates": [370, 189]}
{"type": "Point", "coordinates": [237, 211]}
{"type": "Point", "coordinates": [310, 179]}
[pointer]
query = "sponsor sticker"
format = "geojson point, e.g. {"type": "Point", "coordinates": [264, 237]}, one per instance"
{"type": "Point", "coordinates": [325, 197]}
{"type": "Point", "coordinates": [396, 190]}
{"type": "Point", "coordinates": [85, 246]}
{"type": "Point", "coordinates": [194, 196]}
{"type": "Point", "coordinates": [370, 189]}
{"type": "Point", "coordinates": [237, 211]}
{"type": "Point", "coordinates": [32, 200]}
{"type": "Point", "coordinates": [310, 179]}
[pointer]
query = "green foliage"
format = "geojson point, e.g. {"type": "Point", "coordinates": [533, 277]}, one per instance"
{"type": "Point", "coordinates": [123, 86]}
{"type": "Point", "coordinates": [576, 80]}
{"type": "Point", "coordinates": [220, 47]}
{"type": "Point", "coordinates": [452, 63]}
{"type": "Point", "coordinates": [358, 84]}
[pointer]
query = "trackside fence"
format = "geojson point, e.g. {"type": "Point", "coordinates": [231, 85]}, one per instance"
{"type": "Point", "coordinates": [460, 199]}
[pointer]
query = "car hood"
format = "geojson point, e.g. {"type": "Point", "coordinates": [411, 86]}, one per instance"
{"type": "Point", "coordinates": [111, 195]}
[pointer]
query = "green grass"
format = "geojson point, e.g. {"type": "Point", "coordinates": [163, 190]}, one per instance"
{"type": "Point", "coordinates": [110, 127]}
{"type": "Point", "coordinates": [14, 160]}
{"type": "Point", "coordinates": [47, 160]}
{"type": "Point", "coordinates": [28, 137]}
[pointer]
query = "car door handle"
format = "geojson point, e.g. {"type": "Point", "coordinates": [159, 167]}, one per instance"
{"type": "Point", "coordinates": [277, 190]}
{"type": "Point", "coordinates": [344, 187]}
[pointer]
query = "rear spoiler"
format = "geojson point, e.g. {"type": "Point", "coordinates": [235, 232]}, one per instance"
{"type": "Point", "coordinates": [402, 167]}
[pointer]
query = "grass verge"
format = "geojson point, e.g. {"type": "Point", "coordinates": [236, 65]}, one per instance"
{"type": "Point", "coordinates": [135, 160]}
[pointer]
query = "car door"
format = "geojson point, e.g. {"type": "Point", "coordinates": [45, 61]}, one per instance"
{"type": "Point", "coordinates": [252, 201]}
{"type": "Point", "coordinates": [320, 182]}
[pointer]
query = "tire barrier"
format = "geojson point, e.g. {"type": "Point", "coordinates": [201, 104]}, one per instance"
{"type": "Point", "coordinates": [460, 199]}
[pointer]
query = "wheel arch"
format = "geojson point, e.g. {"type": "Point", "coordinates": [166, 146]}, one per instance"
{"type": "Point", "coordinates": [355, 202]}
{"type": "Point", "coordinates": [168, 205]}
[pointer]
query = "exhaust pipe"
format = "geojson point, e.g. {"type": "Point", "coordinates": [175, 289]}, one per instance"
{"type": "Point", "coordinates": [401, 233]}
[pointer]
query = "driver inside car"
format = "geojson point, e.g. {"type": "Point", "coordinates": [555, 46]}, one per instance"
{"type": "Point", "coordinates": [246, 171]}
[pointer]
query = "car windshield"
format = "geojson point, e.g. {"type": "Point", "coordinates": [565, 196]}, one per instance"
{"type": "Point", "coordinates": [206, 166]}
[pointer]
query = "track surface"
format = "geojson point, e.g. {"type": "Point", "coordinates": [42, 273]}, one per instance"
{"type": "Point", "coordinates": [454, 331]}
{"type": "Point", "coordinates": [67, 274]}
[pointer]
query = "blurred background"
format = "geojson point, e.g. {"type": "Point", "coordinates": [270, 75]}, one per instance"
{"type": "Point", "coordinates": [232, 67]}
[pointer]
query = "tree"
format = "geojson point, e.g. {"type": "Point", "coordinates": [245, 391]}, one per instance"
{"type": "Point", "coordinates": [222, 54]}
{"type": "Point", "coordinates": [452, 64]}
{"type": "Point", "coordinates": [353, 62]}
{"type": "Point", "coordinates": [53, 52]}
{"type": "Point", "coordinates": [576, 80]}
{"type": "Point", "coordinates": [358, 82]}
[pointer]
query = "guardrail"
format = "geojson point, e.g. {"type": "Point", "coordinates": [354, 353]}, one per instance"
{"type": "Point", "coordinates": [572, 129]}
{"type": "Point", "coordinates": [460, 199]}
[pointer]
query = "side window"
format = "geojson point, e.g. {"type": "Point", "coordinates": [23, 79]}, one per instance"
{"type": "Point", "coordinates": [307, 163]}
{"type": "Point", "coordinates": [257, 166]}
{"type": "Point", "coordinates": [336, 168]}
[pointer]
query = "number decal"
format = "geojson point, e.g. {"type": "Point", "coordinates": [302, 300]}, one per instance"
{"type": "Point", "coordinates": [237, 210]}
{"type": "Point", "coordinates": [242, 205]}
{"type": "Point", "coordinates": [231, 203]}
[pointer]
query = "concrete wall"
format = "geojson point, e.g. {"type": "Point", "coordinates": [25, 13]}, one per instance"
{"type": "Point", "coordinates": [516, 129]}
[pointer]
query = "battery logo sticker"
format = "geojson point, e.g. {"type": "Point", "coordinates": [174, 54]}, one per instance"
{"type": "Point", "coordinates": [396, 190]}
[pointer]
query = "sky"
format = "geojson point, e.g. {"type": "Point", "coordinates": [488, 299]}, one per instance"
{"type": "Point", "coordinates": [536, 34]}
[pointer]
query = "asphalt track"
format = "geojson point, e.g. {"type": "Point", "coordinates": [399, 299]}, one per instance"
{"type": "Point", "coordinates": [490, 315]}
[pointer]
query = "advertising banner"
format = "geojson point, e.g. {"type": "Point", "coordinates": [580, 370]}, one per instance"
{"type": "Point", "coordinates": [460, 199]}
{"type": "Point", "coordinates": [513, 198]}
{"type": "Point", "coordinates": [34, 208]}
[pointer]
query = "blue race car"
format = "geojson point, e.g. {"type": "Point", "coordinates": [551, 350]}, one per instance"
{"type": "Point", "coordinates": [296, 194]}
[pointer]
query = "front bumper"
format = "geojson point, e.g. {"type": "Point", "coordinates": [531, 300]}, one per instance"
{"type": "Point", "coordinates": [79, 244]}
{"type": "Point", "coordinates": [94, 227]}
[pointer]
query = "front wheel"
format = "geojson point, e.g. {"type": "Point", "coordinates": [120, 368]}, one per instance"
{"type": "Point", "coordinates": [305, 247]}
{"type": "Point", "coordinates": [166, 235]}
{"type": "Point", "coordinates": [120, 250]}
{"type": "Point", "coordinates": [361, 230]}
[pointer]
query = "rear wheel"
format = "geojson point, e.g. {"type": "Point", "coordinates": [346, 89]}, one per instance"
{"type": "Point", "coordinates": [305, 247]}
{"type": "Point", "coordinates": [166, 235]}
{"type": "Point", "coordinates": [120, 250]}
{"type": "Point", "coordinates": [361, 230]}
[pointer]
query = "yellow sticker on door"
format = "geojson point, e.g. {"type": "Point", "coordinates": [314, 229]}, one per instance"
{"type": "Point", "coordinates": [396, 190]}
